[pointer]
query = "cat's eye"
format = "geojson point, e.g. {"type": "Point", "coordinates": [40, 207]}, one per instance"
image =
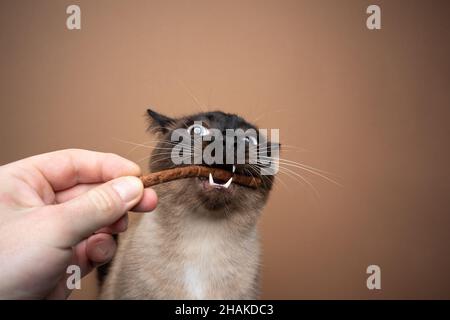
{"type": "Point", "coordinates": [251, 140]}
{"type": "Point", "coordinates": [198, 130]}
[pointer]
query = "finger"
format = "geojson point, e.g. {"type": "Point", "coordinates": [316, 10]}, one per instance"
{"type": "Point", "coordinates": [148, 201]}
{"type": "Point", "coordinates": [100, 249]}
{"type": "Point", "coordinates": [75, 191]}
{"type": "Point", "coordinates": [119, 226]}
{"type": "Point", "coordinates": [87, 255]}
{"type": "Point", "coordinates": [76, 219]}
{"type": "Point", "coordinates": [66, 168]}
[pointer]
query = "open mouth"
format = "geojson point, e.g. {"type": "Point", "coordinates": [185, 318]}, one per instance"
{"type": "Point", "coordinates": [215, 177]}
{"type": "Point", "coordinates": [219, 185]}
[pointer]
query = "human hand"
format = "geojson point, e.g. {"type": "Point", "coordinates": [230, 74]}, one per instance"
{"type": "Point", "coordinates": [59, 209]}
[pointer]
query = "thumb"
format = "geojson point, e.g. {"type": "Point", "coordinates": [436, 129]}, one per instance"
{"type": "Point", "coordinates": [97, 208]}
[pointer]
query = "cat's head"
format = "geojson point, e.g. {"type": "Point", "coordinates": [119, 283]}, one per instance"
{"type": "Point", "coordinates": [194, 134]}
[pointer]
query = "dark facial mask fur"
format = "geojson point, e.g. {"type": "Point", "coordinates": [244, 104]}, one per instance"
{"type": "Point", "coordinates": [195, 193]}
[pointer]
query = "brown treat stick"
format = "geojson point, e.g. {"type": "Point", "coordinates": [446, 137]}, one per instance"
{"type": "Point", "coordinates": [197, 171]}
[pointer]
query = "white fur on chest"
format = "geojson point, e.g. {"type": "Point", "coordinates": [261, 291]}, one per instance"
{"type": "Point", "coordinates": [209, 258]}
{"type": "Point", "coordinates": [208, 247]}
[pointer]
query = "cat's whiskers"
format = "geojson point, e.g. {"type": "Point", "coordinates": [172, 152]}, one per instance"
{"type": "Point", "coordinates": [144, 144]}
{"type": "Point", "coordinates": [281, 163]}
{"type": "Point", "coordinates": [283, 160]}
{"type": "Point", "coordinates": [164, 159]}
{"type": "Point", "coordinates": [252, 168]}
{"type": "Point", "coordinates": [296, 176]}
{"type": "Point", "coordinates": [262, 115]}
{"type": "Point", "coordinates": [193, 97]}
{"type": "Point", "coordinates": [277, 178]}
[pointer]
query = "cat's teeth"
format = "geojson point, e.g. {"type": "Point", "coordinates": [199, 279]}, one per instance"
{"type": "Point", "coordinates": [225, 185]}
{"type": "Point", "coordinates": [234, 168]}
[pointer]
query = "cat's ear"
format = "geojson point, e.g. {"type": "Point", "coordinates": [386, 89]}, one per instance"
{"type": "Point", "coordinates": [159, 123]}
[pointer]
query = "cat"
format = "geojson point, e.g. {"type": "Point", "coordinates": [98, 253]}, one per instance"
{"type": "Point", "coordinates": [202, 240]}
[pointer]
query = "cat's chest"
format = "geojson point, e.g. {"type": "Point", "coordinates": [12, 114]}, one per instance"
{"type": "Point", "coordinates": [212, 257]}
{"type": "Point", "coordinates": [201, 258]}
{"type": "Point", "coordinates": [208, 250]}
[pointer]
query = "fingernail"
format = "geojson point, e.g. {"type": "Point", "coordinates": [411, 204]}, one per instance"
{"type": "Point", "coordinates": [128, 188]}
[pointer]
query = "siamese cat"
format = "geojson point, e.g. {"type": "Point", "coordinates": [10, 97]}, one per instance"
{"type": "Point", "coordinates": [201, 242]}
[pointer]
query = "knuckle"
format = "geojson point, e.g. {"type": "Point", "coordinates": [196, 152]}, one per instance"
{"type": "Point", "coordinates": [102, 200]}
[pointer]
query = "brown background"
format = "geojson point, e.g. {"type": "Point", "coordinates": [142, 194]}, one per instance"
{"type": "Point", "coordinates": [372, 107]}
